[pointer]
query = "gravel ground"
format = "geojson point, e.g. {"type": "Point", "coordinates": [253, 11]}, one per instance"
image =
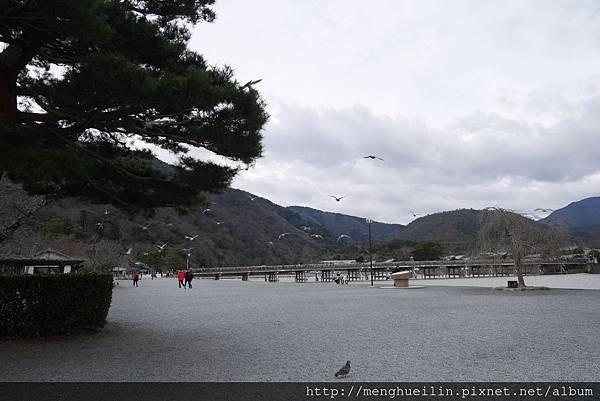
{"type": "Point", "coordinates": [255, 331]}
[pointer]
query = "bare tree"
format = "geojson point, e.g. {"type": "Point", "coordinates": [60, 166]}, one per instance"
{"type": "Point", "coordinates": [503, 229]}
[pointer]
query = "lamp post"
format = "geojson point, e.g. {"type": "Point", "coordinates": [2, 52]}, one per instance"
{"type": "Point", "coordinates": [369, 221]}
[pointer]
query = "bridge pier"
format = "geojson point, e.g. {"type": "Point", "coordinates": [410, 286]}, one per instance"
{"type": "Point", "coordinates": [453, 271]}
{"type": "Point", "coordinates": [272, 277]}
{"type": "Point", "coordinates": [380, 274]}
{"type": "Point", "coordinates": [301, 276]}
{"type": "Point", "coordinates": [326, 276]}
{"type": "Point", "coordinates": [476, 271]}
{"type": "Point", "coordinates": [245, 276]}
{"type": "Point", "coordinates": [353, 274]}
{"type": "Point", "coordinates": [428, 272]}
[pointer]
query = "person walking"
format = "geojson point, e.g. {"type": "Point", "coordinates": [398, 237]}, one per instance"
{"type": "Point", "coordinates": [136, 277]}
{"type": "Point", "coordinates": [189, 276]}
{"type": "Point", "coordinates": [181, 278]}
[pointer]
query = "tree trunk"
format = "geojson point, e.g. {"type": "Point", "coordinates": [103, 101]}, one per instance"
{"type": "Point", "coordinates": [519, 269]}
{"type": "Point", "coordinates": [8, 98]}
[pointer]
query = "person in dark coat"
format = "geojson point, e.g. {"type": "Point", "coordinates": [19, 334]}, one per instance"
{"type": "Point", "coordinates": [136, 277]}
{"type": "Point", "coordinates": [189, 276]}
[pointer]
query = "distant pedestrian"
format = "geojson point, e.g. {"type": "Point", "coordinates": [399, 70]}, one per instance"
{"type": "Point", "coordinates": [181, 278]}
{"type": "Point", "coordinates": [136, 277]}
{"type": "Point", "coordinates": [189, 276]}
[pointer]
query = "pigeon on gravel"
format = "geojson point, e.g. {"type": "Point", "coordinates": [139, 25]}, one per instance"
{"type": "Point", "coordinates": [344, 370]}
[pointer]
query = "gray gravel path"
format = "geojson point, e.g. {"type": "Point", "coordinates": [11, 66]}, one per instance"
{"type": "Point", "coordinates": [254, 331]}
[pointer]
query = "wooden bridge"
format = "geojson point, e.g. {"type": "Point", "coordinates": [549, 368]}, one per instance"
{"type": "Point", "coordinates": [326, 272]}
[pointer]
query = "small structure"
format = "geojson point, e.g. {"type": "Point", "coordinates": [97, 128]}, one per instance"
{"type": "Point", "coordinates": [119, 272]}
{"type": "Point", "coordinates": [46, 262]}
{"type": "Point", "coordinates": [401, 278]}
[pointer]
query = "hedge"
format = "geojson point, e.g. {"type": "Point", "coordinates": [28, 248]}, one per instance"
{"type": "Point", "coordinates": [45, 305]}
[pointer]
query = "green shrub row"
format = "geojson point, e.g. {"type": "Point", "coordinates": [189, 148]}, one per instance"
{"type": "Point", "coordinates": [44, 305]}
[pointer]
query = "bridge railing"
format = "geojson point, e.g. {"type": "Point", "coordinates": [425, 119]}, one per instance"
{"type": "Point", "coordinates": [407, 265]}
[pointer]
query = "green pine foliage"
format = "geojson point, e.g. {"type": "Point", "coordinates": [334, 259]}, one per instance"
{"type": "Point", "coordinates": [92, 76]}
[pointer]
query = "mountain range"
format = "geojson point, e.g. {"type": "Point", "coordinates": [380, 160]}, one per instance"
{"type": "Point", "coordinates": [239, 228]}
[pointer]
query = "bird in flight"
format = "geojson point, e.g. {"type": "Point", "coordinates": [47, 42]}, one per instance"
{"type": "Point", "coordinates": [318, 236]}
{"type": "Point", "coordinates": [206, 210]}
{"type": "Point", "coordinates": [270, 242]}
{"type": "Point", "coordinates": [283, 235]}
{"type": "Point", "coordinates": [187, 250]}
{"type": "Point", "coordinates": [543, 210]}
{"type": "Point", "coordinates": [128, 251]}
{"type": "Point", "coordinates": [337, 198]}
{"type": "Point", "coordinates": [250, 83]}
{"type": "Point", "coordinates": [252, 197]}
{"type": "Point", "coordinates": [191, 238]}
{"type": "Point", "coordinates": [344, 370]}
{"type": "Point", "coordinates": [217, 222]}
{"type": "Point", "coordinates": [373, 157]}
{"type": "Point", "coordinates": [143, 227]}
{"type": "Point", "coordinates": [414, 214]}
{"type": "Point", "coordinates": [341, 237]}
{"type": "Point", "coordinates": [305, 228]}
{"type": "Point", "coordinates": [106, 212]}
{"type": "Point", "coordinates": [161, 247]}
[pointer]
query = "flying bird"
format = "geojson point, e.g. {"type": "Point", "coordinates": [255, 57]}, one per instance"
{"type": "Point", "coordinates": [169, 224]}
{"type": "Point", "coordinates": [414, 214]}
{"type": "Point", "coordinates": [316, 236]}
{"type": "Point", "coordinates": [305, 228]}
{"type": "Point", "coordinates": [106, 211]}
{"type": "Point", "coordinates": [341, 237]}
{"type": "Point", "coordinates": [161, 247]}
{"type": "Point", "coordinates": [191, 238]}
{"type": "Point", "coordinates": [250, 83]}
{"type": "Point", "coordinates": [217, 222]}
{"type": "Point", "coordinates": [543, 210]}
{"type": "Point", "coordinates": [206, 210]}
{"type": "Point", "coordinates": [128, 251]}
{"type": "Point", "coordinates": [373, 157]}
{"type": "Point", "coordinates": [344, 370]}
{"type": "Point", "coordinates": [100, 225]}
{"type": "Point", "coordinates": [283, 235]}
{"type": "Point", "coordinates": [270, 242]}
{"type": "Point", "coordinates": [337, 198]}
{"type": "Point", "coordinates": [251, 197]}
{"type": "Point", "coordinates": [143, 227]}
{"type": "Point", "coordinates": [187, 250]}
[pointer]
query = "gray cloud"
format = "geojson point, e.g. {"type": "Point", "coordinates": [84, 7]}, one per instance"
{"type": "Point", "coordinates": [479, 160]}
{"type": "Point", "coordinates": [471, 103]}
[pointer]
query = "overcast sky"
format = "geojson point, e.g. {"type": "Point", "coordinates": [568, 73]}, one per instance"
{"type": "Point", "coordinates": [471, 103]}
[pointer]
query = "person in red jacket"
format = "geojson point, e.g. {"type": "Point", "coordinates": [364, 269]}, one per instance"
{"type": "Point", "coordinates": [181, 278]}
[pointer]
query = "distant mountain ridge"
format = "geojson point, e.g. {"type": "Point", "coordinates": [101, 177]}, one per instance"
{"type": "Point", "coordinates": [239, 228]}
{"type": "Point", "coordinates": [343, 224]}
{"type": "Point", "coordinates": [581, 217]}
{"type": "Point", "coordinates": [452, 226]}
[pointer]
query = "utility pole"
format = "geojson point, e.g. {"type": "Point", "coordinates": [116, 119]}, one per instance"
{"type": "Point", "coordinates": [369, 221]}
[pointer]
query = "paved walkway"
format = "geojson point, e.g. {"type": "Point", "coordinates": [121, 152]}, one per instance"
{"type": "Point", "coordinates": [255, 331]}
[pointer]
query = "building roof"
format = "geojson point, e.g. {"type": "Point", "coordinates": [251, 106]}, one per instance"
{"type": "Point", "coordinates": [44, 258]}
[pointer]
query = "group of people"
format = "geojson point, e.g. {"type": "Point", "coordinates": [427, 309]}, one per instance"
{"type": "Point", "coordinates": [185, 278]}
{"type": "Point", "coordinates": [339, 279]}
